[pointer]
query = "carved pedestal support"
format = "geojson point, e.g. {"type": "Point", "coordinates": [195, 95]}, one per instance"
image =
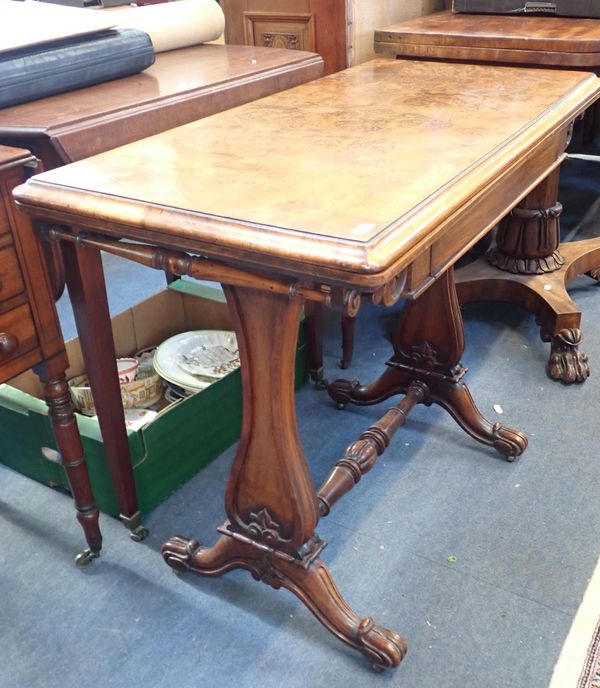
{"type": "Point", "coordinates": [428, 345]}
{"type": "Point", "coordinates": [528, 241]}
{"type": "Point", "coordinates": [528, 238]}
{"type": "Point", "coordinates": [271, 502]}
{"type": "Point", "coordinates": [530, 269]}
{"type": "Point", "coordinates": [68, 440]}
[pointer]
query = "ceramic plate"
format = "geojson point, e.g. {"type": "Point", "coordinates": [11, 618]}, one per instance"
{"type": "Point", "coordinates": [166, 366]}
{"type": "Point", "coordinates": [172, 350]}
{"type": "Point", "coordinates": [208, 353]}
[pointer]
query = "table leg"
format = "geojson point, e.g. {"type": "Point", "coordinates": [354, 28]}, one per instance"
{"type": "Point", "coordinates": [313, 324]}
{"type": "Point", "coordinates": [68, 440]}
{"type": "Point", "coordinates": [87, 291]}
{"type": "Point", "coordinates": [348, 328]}
{"type": "Point", "coordinates": [428, 344]}
{"type": "Point", "coordinates": [529, 268]}
{"type": "Point", "coordinates": [271, 502]}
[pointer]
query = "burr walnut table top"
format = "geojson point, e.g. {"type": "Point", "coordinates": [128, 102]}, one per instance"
{"type": "Point", "coordinates": [348, 178]}
{"type": "Point", "coordinates": [557, 41]}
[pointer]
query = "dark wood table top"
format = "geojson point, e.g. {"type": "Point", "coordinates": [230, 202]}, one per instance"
{"type": "Point", "coordinates": [556, 41]}
{"type": "Point", "coordinates": [181, 86]}
{"type": "Point", "coordinates": [351, 175]}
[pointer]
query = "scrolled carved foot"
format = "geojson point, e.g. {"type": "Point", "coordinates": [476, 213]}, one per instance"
{"type": "Point", "coordinates": [382, 646]}
{"type": "Point", "coordinates": [178, 552]}
{"type": "Point", "coordinates": [342, 391]}
{"type": "Point", "coordinates": [566, 363]}
{"type": "Point", "coordinates": [511, 443]}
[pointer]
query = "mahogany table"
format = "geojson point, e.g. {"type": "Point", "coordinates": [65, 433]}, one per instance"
{"type": "Point", "coordinates": [181, 86]}
{"type": "Point", "coordinates": [571, 42]}
{"type": "Point", "coordinates": [334, 187]}
{"type": "Point", "coordinates": [528, 266]}
{"type": "Point", "coordinates": [30, 336]}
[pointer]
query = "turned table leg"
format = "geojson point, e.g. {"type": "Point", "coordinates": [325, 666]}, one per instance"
{"type": "Point", "coordinates": [68, 440]}
{"type": "Point", "coordinates": [428, 344]}
{"type": "Point", "coordinates": [87, 291]}
{"type": "Point", "coordinates": [271, 502]}
{"type": "Point", "coordinates": [530, 268]}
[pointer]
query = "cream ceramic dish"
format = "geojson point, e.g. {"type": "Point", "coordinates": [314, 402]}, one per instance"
{"type": "Point", "coordinates": [193, 360]}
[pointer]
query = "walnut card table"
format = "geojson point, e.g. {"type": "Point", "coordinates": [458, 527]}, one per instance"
{"type": "Point", "coordinates": [337, 186]}
{"type": "Point", "coordinates": [528, 266]}
{"type": "Point", "coordinates": [181, 86]}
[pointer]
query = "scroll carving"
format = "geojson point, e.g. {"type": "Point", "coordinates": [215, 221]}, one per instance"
{"type": "Point", "coordinates": [264, 528]}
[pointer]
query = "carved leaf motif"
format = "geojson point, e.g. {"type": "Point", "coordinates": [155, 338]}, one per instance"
{"type": "Point", "coordinates": [263, 528]}
{"type": "Point", "coordinates": [423, 355]}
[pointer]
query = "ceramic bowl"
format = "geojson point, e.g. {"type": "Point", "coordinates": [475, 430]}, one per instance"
{"type": "Point", "coordinates": [135, 394]}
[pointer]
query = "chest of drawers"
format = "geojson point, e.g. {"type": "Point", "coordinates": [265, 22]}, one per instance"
{"type": "Point", "coordinates": [20, 347]}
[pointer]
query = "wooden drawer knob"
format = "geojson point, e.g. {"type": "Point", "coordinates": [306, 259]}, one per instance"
{"type": "Point", "coordinates": [8, 343]}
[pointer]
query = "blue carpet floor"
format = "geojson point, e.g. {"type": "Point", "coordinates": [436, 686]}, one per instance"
{"type": "Point", "coordinates": [480, 564]}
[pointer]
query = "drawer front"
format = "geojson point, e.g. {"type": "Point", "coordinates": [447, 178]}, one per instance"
{"type": "Point", "coordinates": [17, 333]}
{"type": "Point", "coordinates": [11, 280]}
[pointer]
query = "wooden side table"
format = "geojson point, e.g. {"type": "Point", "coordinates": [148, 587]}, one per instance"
{"type": "Point", "coordinates": [181, 86]}
{"type": "Point", "coordinates": [30, 336]}
{"type": "Point", "coordinates": [354, 195]}
{"type": "Point", "coordinates": [528, 266]}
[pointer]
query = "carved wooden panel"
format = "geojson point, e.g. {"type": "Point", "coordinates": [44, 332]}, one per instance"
{"type": "Point", "coordinates": [312, 25]}
{"type": "Point", "coordinates": [279, 30]}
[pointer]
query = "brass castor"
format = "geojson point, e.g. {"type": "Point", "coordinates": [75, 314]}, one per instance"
{"type": "Point", "coordinates": [138, 534]}
{"type": "Point", "coordinates": [84, 558]}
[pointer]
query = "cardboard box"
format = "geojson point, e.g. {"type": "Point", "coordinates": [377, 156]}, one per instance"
{"type": "Point", "coordinates": [165, 453]}
{"type": "Point", "coordinates": [564, 8]}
